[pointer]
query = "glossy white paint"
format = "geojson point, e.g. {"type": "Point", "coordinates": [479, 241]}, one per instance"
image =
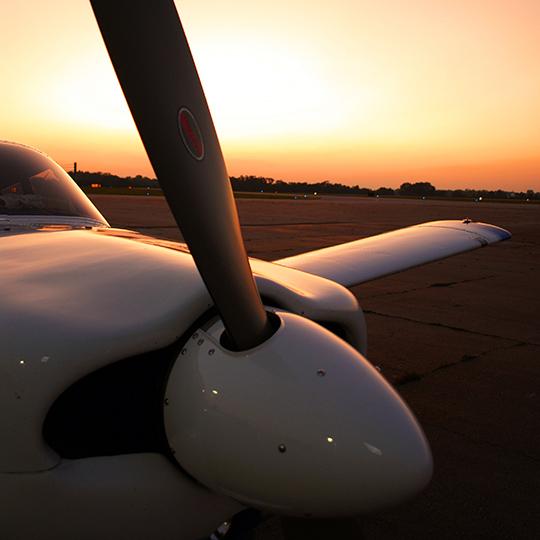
{"type": "Point", "coordinates": [313, 297]}
{"type": "Point", "coordinates": [74, 301]}
{"type": "Point", "coordinates": [300, 425]}
{"type": "Point", "coordinates": [378, 256]}
{"type": "Point", "coordinates": [130, 497]}
{"type": "Point", "coordinates": [76, 298]}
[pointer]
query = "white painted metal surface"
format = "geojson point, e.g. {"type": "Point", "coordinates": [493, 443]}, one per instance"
{"type": "Point", "coordinates": [378, 256]}
{"type": "Point", "coordinates": [129, 497]}
{"type": "Point", "coordinates": [300, 425]}
{"type": "Point", "coordinates": [313, 297]}
{"type": "Point", "coordinates": [72, 302]}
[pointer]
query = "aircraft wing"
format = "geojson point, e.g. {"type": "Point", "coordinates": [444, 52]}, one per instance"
{"type": "Point", "coordinates": [378, 256]}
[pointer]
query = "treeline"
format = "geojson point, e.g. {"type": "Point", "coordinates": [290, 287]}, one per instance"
{"type": "Point", "coordinates": [407, 189]}
{"type": "Point", "coordinates": [88, 179]}
{"type": "Point", "coordinates": [425, 189]}
{"type": "Point", "coordinates": [269, 185]}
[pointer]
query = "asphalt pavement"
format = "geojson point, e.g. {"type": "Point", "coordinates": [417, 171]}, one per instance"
{"type": "Point", "coordinates": [459, 339]}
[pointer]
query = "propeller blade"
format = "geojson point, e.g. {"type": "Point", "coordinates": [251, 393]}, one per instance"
{"type": "Point", "coordinates": [153, 62]}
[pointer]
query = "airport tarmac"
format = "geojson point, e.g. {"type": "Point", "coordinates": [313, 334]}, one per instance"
{"type": "Point", "coordinates": [460, 340]}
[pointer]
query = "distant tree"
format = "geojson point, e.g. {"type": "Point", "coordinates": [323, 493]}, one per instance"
{"type": "Point", "coordinates": [384, 191]}
{"type": "Point", "coordinates": [251, 183]}
{"type": "Point", "coordinates": [418, 189]}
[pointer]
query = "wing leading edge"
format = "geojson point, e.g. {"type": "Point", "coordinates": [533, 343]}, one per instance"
{"type": "Point", "coordinates": [378, 256]}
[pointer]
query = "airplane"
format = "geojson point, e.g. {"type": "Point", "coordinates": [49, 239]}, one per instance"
{"type": "Point", "coordinates": [153, 389]}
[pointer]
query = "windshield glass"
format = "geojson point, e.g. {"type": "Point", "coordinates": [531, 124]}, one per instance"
{"type": "Point", "coordinates": [32, 184]}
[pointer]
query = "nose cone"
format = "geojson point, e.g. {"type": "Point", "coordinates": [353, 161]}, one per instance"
{"type": "Point", "coordinates": [301, 425]}
{"type": "Point", "coordinates": [381, 456]}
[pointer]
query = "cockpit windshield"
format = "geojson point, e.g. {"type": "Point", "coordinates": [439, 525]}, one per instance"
{"type": "Point", "coordinates": [32, 184]}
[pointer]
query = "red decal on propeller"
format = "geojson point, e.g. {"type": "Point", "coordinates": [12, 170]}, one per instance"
{"type": "Point", "coordinates": [191, 134]}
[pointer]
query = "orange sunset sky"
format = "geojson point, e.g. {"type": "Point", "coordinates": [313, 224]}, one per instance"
{"type": "Point", "coordinates": [374, 93]}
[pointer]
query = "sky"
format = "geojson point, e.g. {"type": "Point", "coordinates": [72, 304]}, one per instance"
{"type": "Point", "coordinates": [361, 92]}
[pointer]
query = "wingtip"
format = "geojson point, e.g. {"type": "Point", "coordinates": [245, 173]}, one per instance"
{"type": "Point", "coordinates": [499, 232]}
{"type": "Point", "coordinates": [491, 233]}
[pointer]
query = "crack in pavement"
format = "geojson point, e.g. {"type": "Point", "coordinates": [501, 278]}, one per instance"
{"type": "Point", "coordinates": [415, 377]}
{"type": "Point", "coordinates": [411, 377]}
{"type": "Point", "coordinates": [424, 287]}
{"type": "Point", "coordinates": [448, 327]}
